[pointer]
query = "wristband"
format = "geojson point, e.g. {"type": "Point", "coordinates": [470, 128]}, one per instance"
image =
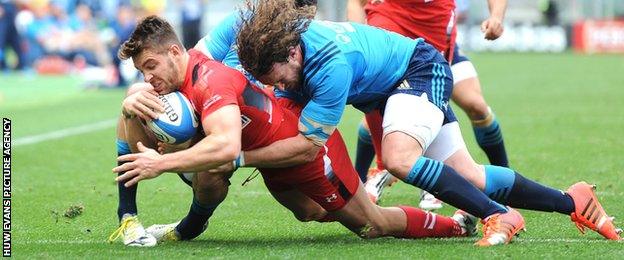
{"type": "Point", "coordinates": [240, 161]}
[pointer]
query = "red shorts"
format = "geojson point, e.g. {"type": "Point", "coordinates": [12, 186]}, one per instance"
{"type": "Point", "coordinates": [330, 179]}
{"type": "Point", "coordinates": [433, 21]}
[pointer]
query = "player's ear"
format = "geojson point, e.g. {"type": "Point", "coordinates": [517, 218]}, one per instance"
{"type": "Point", "coordinates": [292, 52]}
{"type": "Point", "coordinates": [175, 49]}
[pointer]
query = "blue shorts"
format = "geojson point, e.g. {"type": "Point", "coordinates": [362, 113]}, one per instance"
{"type": "Point", "coordinates": [458, 56]}
{"type": "Point", "coordinates": [428, 72]}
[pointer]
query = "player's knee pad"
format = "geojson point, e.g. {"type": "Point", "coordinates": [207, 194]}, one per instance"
{"type": "Point", "coordinates": [448, 141]}
{"type": "Point", "coordinates": [413, 115]}
{"type": "Point", "coordinates": [463, 70]}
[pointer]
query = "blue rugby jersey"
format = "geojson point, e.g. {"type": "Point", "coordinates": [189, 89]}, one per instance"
{"type": "Point", "coordinates": [346, 63]}
{"type": "Point", "coordinates": [220, 43]}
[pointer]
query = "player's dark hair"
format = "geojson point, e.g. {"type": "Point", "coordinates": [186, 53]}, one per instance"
{"type": "Point", "coordinates": [302, 3]}
{"type": "Point", "coordinates": [268, 30]}
{"type": "Point", "coordinates": [152, 32]}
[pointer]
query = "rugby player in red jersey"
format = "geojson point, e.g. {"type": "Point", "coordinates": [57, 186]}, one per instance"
{"type": "Point", "coordinates": [236, 116]}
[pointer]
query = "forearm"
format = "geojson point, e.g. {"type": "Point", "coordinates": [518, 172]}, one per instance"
{"type": "Point", "coordinates": [283, 153]}
{"type": "Point", "coordinates": [497, 8]}
{"type": "Point", "coordinates": [355, 11]}
{"type": "Point", "coordinates": [209, 153]}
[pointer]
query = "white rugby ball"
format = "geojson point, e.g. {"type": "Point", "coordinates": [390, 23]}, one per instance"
{"type": "Point", "coordinates": [178, 123]}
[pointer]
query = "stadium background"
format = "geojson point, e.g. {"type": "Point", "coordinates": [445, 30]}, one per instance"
{"type": "Point", "coordinates": [556, 85]}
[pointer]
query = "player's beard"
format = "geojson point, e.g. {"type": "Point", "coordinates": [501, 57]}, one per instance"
{"type": "Point", "coordinates": [172, 81]}
{"type": "Point", "coordinates": [294, 83]}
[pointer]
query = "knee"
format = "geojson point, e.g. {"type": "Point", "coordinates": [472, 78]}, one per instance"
{"type": "Point", "coordinates": [136, 87]}
{"type": "Point", "coordinates": [211, 186]}
{"type": "Point", "coordinates": [207, 181]}
{"type": "Point", "coordinates": [476, 109]}
{"type": "Point", "coordinates": [311, 214]}
{"type": "Point", "coordinates": [370, 231]}
{"type": "Point", "coordinates": [399, 166]}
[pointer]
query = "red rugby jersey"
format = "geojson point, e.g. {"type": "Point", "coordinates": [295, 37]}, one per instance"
{"type": "Point", "coordinates": [210, 85]}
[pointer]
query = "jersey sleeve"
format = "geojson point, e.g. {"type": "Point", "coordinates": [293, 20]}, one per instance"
{"type": "Point", "coordinates": [221, 89]}
{"type": "Point", "coordinates": [218, 42]}
{"type": "Point", "coordinates": [329, 89]}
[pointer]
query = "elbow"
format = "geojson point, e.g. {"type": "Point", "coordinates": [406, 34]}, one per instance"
{"type": "Point", "coordinates": [229, 150]}
{"type": "Point", "coordinates": [230, 155]}
{"type": "Point", "coordinates": [310, 154]}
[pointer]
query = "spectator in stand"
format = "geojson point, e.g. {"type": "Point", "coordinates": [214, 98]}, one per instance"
{"type": "Point", "coordinates": [192, 11]}
{"type": "Point", "coordinates": [123, 26]}
{"type": "Point", "coordinates": [8, 34]}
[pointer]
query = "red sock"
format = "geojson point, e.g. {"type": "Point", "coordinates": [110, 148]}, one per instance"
{"type": "Point", "coordinates": [421, 224]}
{"type": "Point", "coordinates": [374, 120]}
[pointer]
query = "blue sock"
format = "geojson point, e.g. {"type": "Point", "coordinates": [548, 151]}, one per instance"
{"type": "Point", "coordinates": [127, 196]}
{"type": "Point", "coordinates": [365, 152]}
{"type": "Point", "coordinates": [490, 139]}
{"type": "Point", "coordinates": [196, 221]}
{"type": "Point", "coordinates": [447, 185]}
{"type": "Point", "coordinates": [510, 188]}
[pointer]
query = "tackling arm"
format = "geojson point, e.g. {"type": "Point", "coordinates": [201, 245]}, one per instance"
{"type": "Point", "coordinates": [283, 153]}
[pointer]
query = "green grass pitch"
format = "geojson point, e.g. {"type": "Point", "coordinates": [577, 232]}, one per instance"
{"type": "Point", "coordinates": [562, 117]}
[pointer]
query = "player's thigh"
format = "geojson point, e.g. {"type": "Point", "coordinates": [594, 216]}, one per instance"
{"type": "Point", "coordinates": [304, 208]}
{"type": "Point", "coordinates": [410, 125]}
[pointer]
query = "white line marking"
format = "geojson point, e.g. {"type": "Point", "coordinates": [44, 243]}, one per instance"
{"type": "Point", "coordinates": [33, 139]}
{"type": "Point", "coordinates": [538, 240]}
{"type": "Point", "coordinates": [466, 239]}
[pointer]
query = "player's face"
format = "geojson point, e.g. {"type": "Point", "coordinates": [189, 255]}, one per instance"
{"type": "Point", "coordinates": [159, 69]}
{"type": "Point", "coordinates": [285, 75]}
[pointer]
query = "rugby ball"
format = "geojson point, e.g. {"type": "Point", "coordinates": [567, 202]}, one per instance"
{"type": "Point", "coordinates": [178, 123]}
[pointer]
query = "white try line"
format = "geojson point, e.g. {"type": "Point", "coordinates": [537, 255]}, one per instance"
{"type": "Point", "coordinates": [466, 239]}
{"type": "Point", "coordinates": [83, 129]}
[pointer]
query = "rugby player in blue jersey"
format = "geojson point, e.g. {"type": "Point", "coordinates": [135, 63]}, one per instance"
{"type": "Point", "coordinates": [328, 65]}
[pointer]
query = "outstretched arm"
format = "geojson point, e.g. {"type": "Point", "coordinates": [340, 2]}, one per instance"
{"type": "Point", "coordinates": [221, 145]}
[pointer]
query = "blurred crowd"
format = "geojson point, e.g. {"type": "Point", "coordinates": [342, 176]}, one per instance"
{"type": "Point", "coordinates": [65, 36]}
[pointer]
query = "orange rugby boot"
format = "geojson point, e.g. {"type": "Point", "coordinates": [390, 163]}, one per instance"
{"type": "Point", "coordinates": [588, 213]}
{"type": "Point", "coordinates": [499, 228]}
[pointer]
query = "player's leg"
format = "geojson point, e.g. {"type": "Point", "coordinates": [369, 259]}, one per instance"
{"type": "Point", "coordinates": [332, 184]}
{"type": "Point", "coordinates": [129, 132]}
{"type": "Point", "coordinates": [365, 152]}
{"type": "Point", "coordinates": [467, 95]}
{"type": "Point", "coordinates": [303, 208]}
{"type": "Point", "coordinates": [377, 178]}
{"type": "Point", "coordinates": [209, 190]}
{"type": "Point", "coordinates": [426, 89]}
{"type": "Point", "coordinates": [368, 220]}
{"type": "Point", "coordinates": [508, 187]}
